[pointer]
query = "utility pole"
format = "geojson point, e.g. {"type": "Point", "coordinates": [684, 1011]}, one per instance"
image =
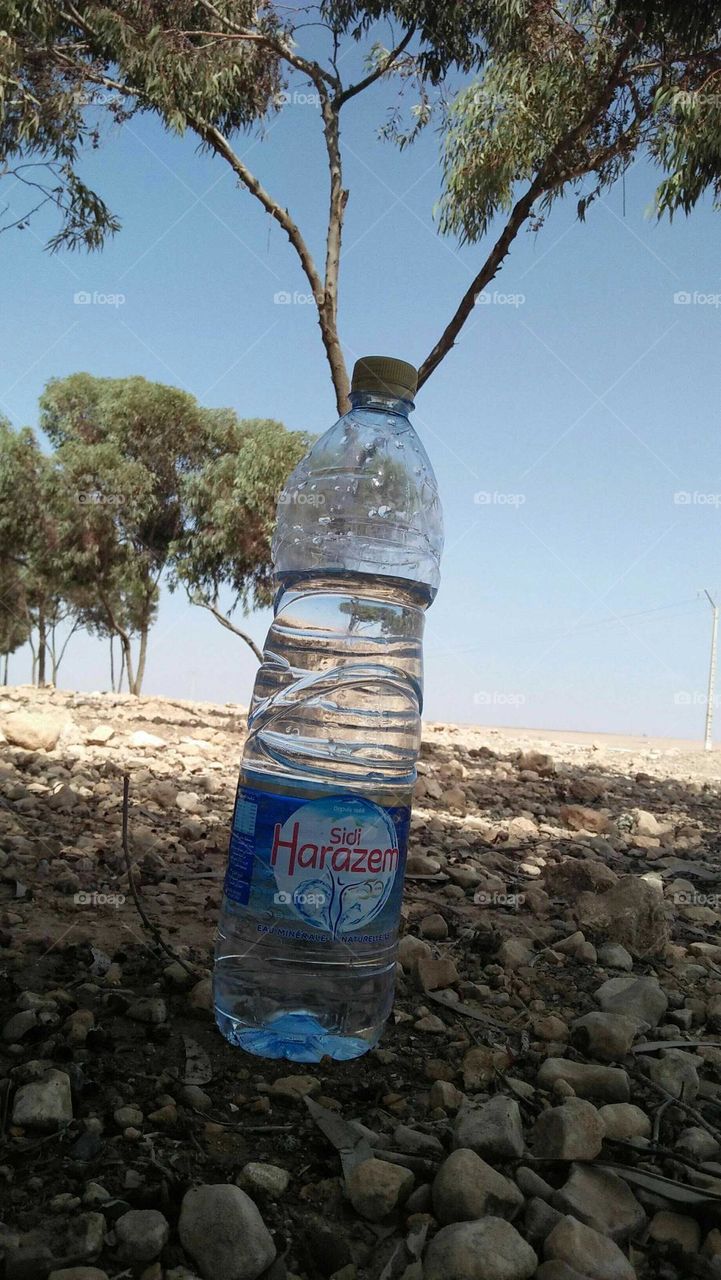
{"type": "Point", "coordinates": [711, 673]}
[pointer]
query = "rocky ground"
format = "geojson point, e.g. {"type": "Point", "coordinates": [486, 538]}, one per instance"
{"type": "Point", "coordinates": [547, 1102]}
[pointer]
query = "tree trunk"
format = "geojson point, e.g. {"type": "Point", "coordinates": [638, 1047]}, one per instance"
{"type": "Point", "coordinates": [42, 645]}
{"type": "Point", "coordinates": [142, 654]}
{"type": "Point", "coordinates": [5, 668]}
{"type": "Point", "coordinates": [122, 671]}
{"type": "Point", "coordinates": [128, 660]}
{"type": "Point", "coordinates": [112, 666]}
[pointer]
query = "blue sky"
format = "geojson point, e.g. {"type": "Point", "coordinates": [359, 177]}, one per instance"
{"type": "Point", "coordinates": [563, 427]}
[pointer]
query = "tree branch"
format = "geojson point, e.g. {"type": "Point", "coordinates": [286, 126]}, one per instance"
{"type": "Point", "coordinates": [225, 622]}
{"type": "Point", "coordinates": [376, 74]}
{"type": "Point", "coordinates": [551, 174]}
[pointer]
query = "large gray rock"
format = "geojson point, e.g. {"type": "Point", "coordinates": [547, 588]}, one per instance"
{"type": "Point", "coordinates": [493, 1130]}
{"type": "Point", "coordinates": [221, 1229]}
{"type": "Point", "coordinates": [141, 1235]}
{"type": "Point", "coordinates": [592, 1254]}
{"type": "Point", "coordinates": [488, 1249]}
{"type": "Point", "coordinates": [465, 1187]}
{"type": "Point", "coordinates": [602, 1200]}
{"type": "Point", "coordinates": [640, 998]}
{"type": "Point", "coordinates": [44, 1104]}
{"type": "Point", "coordinates": [377, 1187]}
{"type": "Point", "coordinates": [632, 913]}
{"type": "Point", "coordinates": [609, 1084]}
{"type": "Point", "coordinates": [573, 1131]}
{"type": "Point", "coordinates": [675, 1073]}
{"type": "Point", "coordinates": [607, 1036]}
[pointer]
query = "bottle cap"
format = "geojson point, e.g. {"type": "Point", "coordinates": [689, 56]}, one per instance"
{"type": "Point", "coordinates": [386, 376]}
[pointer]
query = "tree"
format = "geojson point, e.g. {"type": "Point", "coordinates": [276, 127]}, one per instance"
{"type": "Point", "coordinates": [533, 99]}
{"type": "Point", "coordinates": [230, 514]}
{"type": "Point", "coordinates": [124, 447]}
{"type": "Point", "coordinates": [32, 589]}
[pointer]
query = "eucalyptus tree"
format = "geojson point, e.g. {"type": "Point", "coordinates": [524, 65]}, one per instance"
{"type": "Point", "coordinates": [533, 100]}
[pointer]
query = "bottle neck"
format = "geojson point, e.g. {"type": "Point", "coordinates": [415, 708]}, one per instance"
{"type": "Point", "coordinates": [383, 404]}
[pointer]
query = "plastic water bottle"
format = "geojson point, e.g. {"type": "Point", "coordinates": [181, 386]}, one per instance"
{"type": "Point", "coordinates": [305, 955]}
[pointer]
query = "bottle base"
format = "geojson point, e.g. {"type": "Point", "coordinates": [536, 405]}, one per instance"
{"type": "Point", "coordinates": [297, 1036]}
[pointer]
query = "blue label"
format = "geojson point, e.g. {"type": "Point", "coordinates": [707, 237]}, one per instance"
{"type": "Point", "coordinates": [322, 869]}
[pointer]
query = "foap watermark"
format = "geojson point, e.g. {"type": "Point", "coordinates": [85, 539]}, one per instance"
{"type": "Point", "coordinates": [484, 498]}
{"type": "Point", "coordinates": [692, 698]}
{"type": "Point", "coordinates": [300, 499]}
{"type": "Point", "coordinates": [93, 898]}
{"type": "Point", "coordinates": [97, 498]}
{"type": "Point", "coordinates": [298, 98]}
{"type": "Point", "coordinates": [300, 899]}
{"type": "Point", "coordinates": [284, 298]}
{"type": "Point", "coordinates": [497, 299]}
{"type": "Point", "coordinates": [483, 898]}
{"type": "Point", "coordinates": [683, 298]}
{"type": "Point", "coordinates": [690, 898]}
{"type": "Point", "coordinates": [498, 698]}
{"type": "Point", "coordinates": [84, 298]}
{"type": "Point", "coordinates": [685, 498]}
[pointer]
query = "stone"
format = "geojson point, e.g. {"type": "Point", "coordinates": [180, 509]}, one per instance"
{"type": "Point", "coordinates": [443, 1093]}
{"type": "Point", "coordinates": [415, 1142]}
{"type": "Point", "coordinates": [141, 1234]}
{"type": "Point", "coordinates": [128, 1117]}
{"type": "Point", "coordinates": [434, 927]}
{"type": "Point", "coordinates": [697, 1143]}
{"type": "Point", "coordinates": [44, 1104]}
{"type": "Point", "coordinates": [609, 1084]}
{"type": "Point", "coordinates": [493, 1130]}
{"type": "Point", "coordinates": [602, 1200]}
{"type": "Point", "coordinates": [99, 735]}
{"type": "Point", "coordinates": [538, 762]}
{"type": "Point", "coordinates": [223, 1232]}
{"type": "Point", "coordinates": [488, 1249]}
{"type": "Point", "coordinates": [267, 1179]}
{"type": "Point", "coordinates": [78, 1273]}
{"type": "Point", "coordinates": [675, 1228]}
{"type": "Point", "coordinates": [78, 1026]}
{"type": "Point", "coordinates": [201, 995]}
{"type": "Point", "coordinates": [550, 1028]}
{"type": "Point", "coordinates": [625, 1120]}
{"type": "Point", "coordinates": [647, 824]}
{"type": "Point", "coordinates": [613, 956]}
{"type": "Point", "coordinates": [574, 875]}
{"type": "Point", "coordinates": [513, 953]}
{"type": "Point", "coordinates": [676, 1074]}
{"type": "Point", "coordinates": [632, 913]}
{"type": "Point", "coordinates": [410, 951]}
{"type": "Point", "coordinates": [18, 1026]}
{"type": "Point", "coordinates": [30, 731]}
{"type": "Point", "coordinates": [295, 1088]}
{"type": "Point", "coordinates": [376, 1188]}
{"type": "Point", "coordinates": [581, 1247]}
{"type": "Point", "coordinates": [607, 1036]}
{"type": "Point", "coordinates": [151, 741]}
{"type": "Point", "coordinates": [466, 1187]}
{"type": "Point", "coordinates": [480, 1065]}
{"type": "Point", "coordinates": [434, 973]}
{"type": "Point", "coordinates": [555, 1270]}
{"type": "Point", "coordinates": [580, 818]}
{"type": "Point", "coordinates": [150, 1009]}
{"type": "Point", "coordinates": [640, 998]}
{"type": "Point", "coordinates": [572, 1131]}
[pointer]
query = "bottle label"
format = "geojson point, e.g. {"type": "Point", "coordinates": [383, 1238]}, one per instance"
{"type": "Point", "coordinates": [318, 870]}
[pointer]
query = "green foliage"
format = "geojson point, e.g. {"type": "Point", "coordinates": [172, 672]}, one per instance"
{"type": "Point", "coordinates": [231, 504]}
{"type": "Point", "coordinates": [144, 485]}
